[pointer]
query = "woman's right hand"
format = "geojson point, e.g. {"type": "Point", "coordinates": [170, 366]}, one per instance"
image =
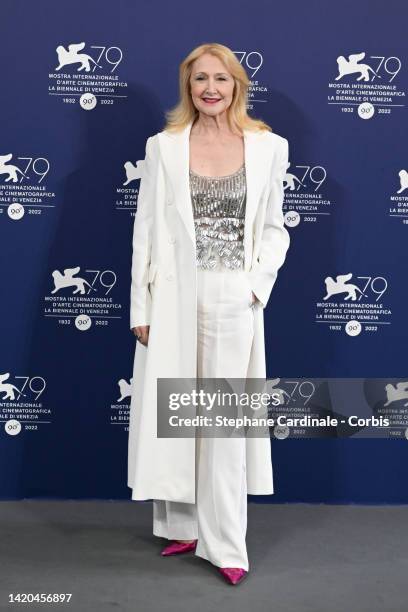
{"type": "Point", "coordinates": [142, 333]}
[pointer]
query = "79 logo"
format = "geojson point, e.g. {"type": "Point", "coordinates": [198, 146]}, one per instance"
{"type": "Point", "coordinates": [310, 176]}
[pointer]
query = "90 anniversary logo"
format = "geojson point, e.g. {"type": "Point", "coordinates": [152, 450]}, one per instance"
{"type": "Point", "coordinates": [367, 88]}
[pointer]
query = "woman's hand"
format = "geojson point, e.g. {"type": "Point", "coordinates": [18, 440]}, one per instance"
{"type": "Point", "coordinates": [254, 298]}
{"type": "Point", "coordinates": [142, 333]}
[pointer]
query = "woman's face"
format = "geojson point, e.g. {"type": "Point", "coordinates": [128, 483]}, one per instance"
{"type": "Point", "coordinates": [211, 84]}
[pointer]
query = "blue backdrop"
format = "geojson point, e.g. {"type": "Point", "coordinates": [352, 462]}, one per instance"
{"type": "Point", "coordinates": [83, 86]}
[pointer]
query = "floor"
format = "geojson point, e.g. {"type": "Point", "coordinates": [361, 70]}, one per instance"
{"type": "Point", "coordinates": [302, 557]}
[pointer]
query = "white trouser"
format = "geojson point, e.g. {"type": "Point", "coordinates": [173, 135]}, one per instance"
{"type": "Point", "coordinates": [218, 519]}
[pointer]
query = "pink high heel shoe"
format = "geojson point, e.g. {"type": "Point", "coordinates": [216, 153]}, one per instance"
{"type": "Point", "coordinates": [233, 575]}
{"type": "Point", "coordinates": [177, 548]}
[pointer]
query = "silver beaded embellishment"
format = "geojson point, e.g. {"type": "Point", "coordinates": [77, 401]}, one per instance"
{"type": "Point", "coordinates": [219, 217]}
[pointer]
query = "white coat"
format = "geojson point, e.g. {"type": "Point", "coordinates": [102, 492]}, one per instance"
{"type": "Point", "coordinates": [164, 296]}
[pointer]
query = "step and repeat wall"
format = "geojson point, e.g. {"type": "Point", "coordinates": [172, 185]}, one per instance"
{"type": "Point", "coordinates": [83, 86]}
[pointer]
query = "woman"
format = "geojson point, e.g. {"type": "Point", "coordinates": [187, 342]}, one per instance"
{"type": "Point", "coordinates": [208, 241]}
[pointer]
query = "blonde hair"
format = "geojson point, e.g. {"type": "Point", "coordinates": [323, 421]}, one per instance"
{"type": "Point", "coordinates": [180, 116]}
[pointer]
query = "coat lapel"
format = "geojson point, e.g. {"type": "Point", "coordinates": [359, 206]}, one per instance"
{"type": "Point", "coordinates": [175, 150]}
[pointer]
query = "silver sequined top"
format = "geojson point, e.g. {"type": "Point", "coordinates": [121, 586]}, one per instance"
{"type": "Point", "coordinates": [219, 218]}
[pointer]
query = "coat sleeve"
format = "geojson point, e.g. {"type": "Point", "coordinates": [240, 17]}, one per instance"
{"type": "Point", "coordinates": [140, 298]}
{"type": "Point", "coordinates": [275, 238]}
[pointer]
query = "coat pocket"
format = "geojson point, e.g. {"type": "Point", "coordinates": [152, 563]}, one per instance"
{"type": "Point", "coordinates": [249, 288]}
{"type": "Point", "coordinates": [152, 273]}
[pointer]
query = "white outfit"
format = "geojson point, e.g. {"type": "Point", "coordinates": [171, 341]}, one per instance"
{"type": "Point", "coordinates": [225, 329]}
{"type": "Point", "coordinates": [164, 296]}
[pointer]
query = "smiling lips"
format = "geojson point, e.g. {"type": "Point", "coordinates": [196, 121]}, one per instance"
{"type": "Point", "coordinates": [211, 100]}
